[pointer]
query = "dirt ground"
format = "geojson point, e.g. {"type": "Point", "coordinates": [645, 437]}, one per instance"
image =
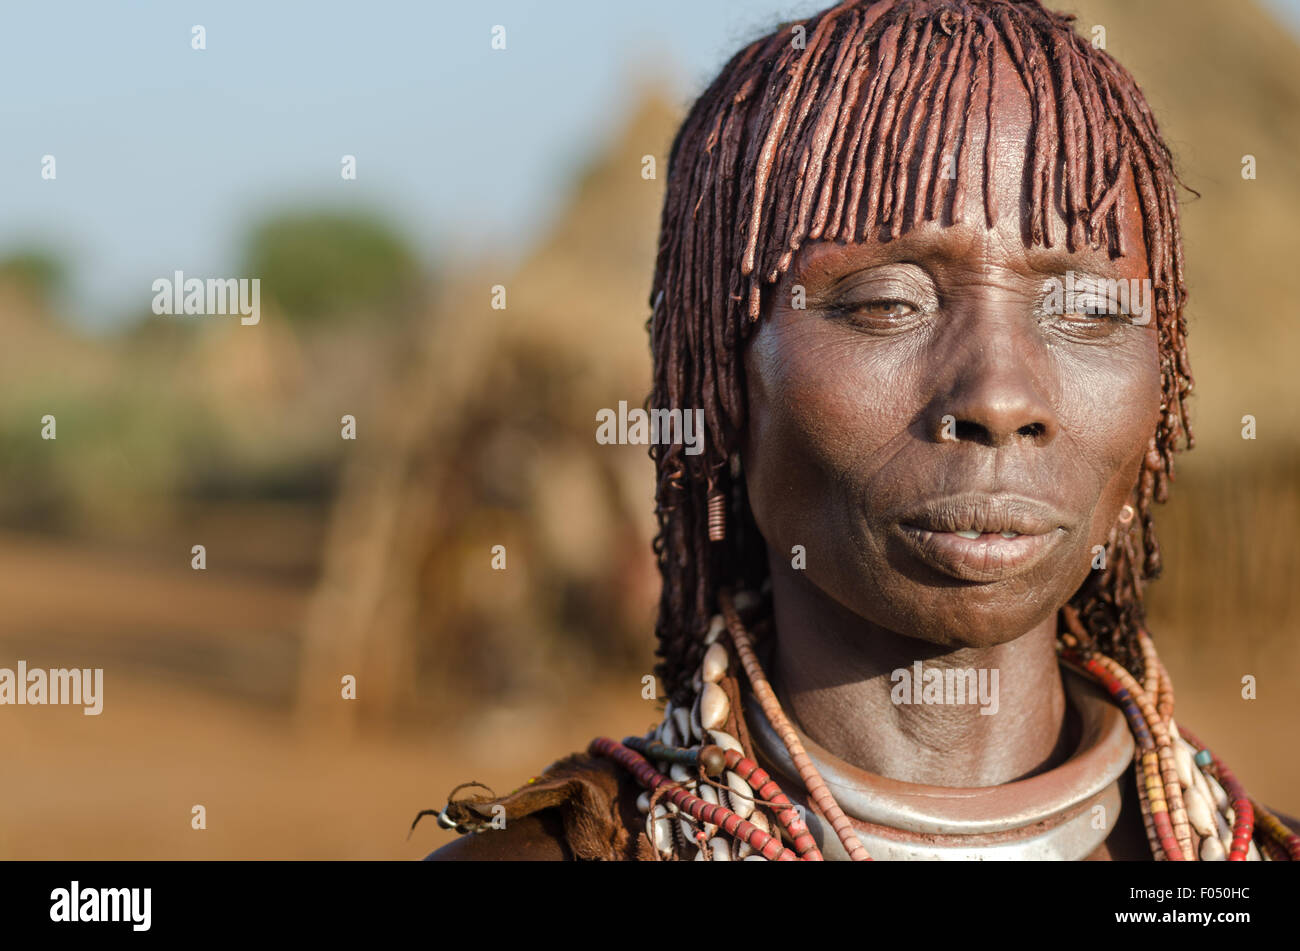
{"type": "Point", "coordinates": [198, 673]}
{"type": "Point", "coordinates": [122, 785]}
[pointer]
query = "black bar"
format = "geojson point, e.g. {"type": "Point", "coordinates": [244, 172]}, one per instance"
{"type": "Point", "coordinates": [436, 901]}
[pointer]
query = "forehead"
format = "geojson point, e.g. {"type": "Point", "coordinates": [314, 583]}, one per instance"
{"type": "Point", "coordinates": [961, 230]}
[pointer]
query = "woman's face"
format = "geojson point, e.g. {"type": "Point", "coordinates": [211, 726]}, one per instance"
{"type": "Point", "coordinates": [927, 387]}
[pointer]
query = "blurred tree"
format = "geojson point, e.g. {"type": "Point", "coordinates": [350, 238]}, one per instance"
{"type": "Point", "coordinates": [40, 272]}
{"type": "Point", "coordinates": [320, 264]}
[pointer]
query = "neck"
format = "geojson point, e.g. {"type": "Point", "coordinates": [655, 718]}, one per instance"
{"type": "Point", "coordinates": [839, 676]}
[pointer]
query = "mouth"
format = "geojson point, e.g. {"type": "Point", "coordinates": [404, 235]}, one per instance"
{"type": "Point", "coordinates": [982, 538]}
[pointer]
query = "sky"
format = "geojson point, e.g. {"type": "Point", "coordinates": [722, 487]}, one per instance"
{"type": "Point", "coordinates": [165, 155]}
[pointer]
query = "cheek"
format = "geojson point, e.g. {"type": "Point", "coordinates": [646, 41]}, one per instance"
{"type": "Point", "coordinates": [823, 411]}
{"type": "Point", "coordinates": [1116, 406]}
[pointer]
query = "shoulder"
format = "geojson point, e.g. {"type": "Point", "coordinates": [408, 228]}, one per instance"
{"type": "Point", "coordinates": [580, 807]}
{"type": "Point", "coordinates": [534, 838]}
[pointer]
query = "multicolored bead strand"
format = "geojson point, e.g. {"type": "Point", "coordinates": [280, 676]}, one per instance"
{"type": "Point", "coordinates": [762, 842]}
{"type": "Point", "coordinates": [713, 761]}
{"type": "Point", "coordinates": [1151, 670]}
{"type": "Point", "coordinates": [1148, 822]}
{"type": "Point", "coordinates": [766, 788]}
{"type": "Point", "coordinates": [1157, 726]}
{"type": "Point", "coordinates": [1165, 691]}
{"type": "Point", "coordinates": [813, 782]}
{"type": "Point", "coordinates": [1243, 824]}
{"type": "Point", "coordinates": [1131, 700]}
{"type": "Point", "coordinates": [1277, 834]}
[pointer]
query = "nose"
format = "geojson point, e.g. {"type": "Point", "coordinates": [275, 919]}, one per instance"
{"type": "Point", "coordinates": [995, 395]}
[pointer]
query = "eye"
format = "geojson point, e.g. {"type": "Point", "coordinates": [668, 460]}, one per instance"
{"type": "Point", "coordinates": [1093, 307]}
{"type": "Point", "coordinates": [882, 300]}
{"type": "Point", "coordinates": [886, 309]}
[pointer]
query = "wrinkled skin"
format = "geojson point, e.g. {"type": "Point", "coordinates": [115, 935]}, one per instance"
{"type": "Point", "coordinates": [846, 436]}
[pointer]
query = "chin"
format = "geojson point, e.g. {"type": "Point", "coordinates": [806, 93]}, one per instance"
{"type": "Point", "coordinates": [958, 617]}
{"type": "Point", "coordinates": [973, 629]}
{"type": "Point", "coordinates": [977, 632]}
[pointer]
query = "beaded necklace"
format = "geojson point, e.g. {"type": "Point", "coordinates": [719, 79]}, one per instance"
{"type": "Point", "coordinates": [707, 799]}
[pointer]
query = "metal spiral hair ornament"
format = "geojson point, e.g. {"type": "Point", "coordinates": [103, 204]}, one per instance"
{"type": "Point", "coordinates": [717, 516]}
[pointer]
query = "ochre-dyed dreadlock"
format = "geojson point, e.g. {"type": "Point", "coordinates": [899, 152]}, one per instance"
{"type": "Point", "coordinates": [839, 138]}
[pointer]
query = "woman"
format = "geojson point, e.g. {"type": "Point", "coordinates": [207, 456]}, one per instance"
{"type": "Point", "coordinates": [920, 266]}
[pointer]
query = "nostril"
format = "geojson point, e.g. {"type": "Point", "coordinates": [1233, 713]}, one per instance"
{"type": "Point", "coordinates": [966, 430]}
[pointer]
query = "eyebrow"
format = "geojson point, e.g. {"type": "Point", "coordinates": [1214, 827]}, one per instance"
{"type": "Point", "coordinates": [952, 244]}
{"type": "Point", "coordinates": [1057, 260]}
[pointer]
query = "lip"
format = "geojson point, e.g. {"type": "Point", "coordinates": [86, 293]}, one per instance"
{"type": "Point", "coordinates": [929, 531]}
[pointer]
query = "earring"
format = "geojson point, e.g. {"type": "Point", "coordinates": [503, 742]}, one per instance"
{"type": "Point", "coordinates": [1126, 514]}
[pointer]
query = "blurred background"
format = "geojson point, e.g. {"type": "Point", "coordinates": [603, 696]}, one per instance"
{"type": "Point", "coordinates": [371, 557]}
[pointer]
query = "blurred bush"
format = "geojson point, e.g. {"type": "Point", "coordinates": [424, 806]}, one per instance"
{"type": "Point", "coordinates": [319, 265]}
{"type": "Point", "coordinates": [41, 273]}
